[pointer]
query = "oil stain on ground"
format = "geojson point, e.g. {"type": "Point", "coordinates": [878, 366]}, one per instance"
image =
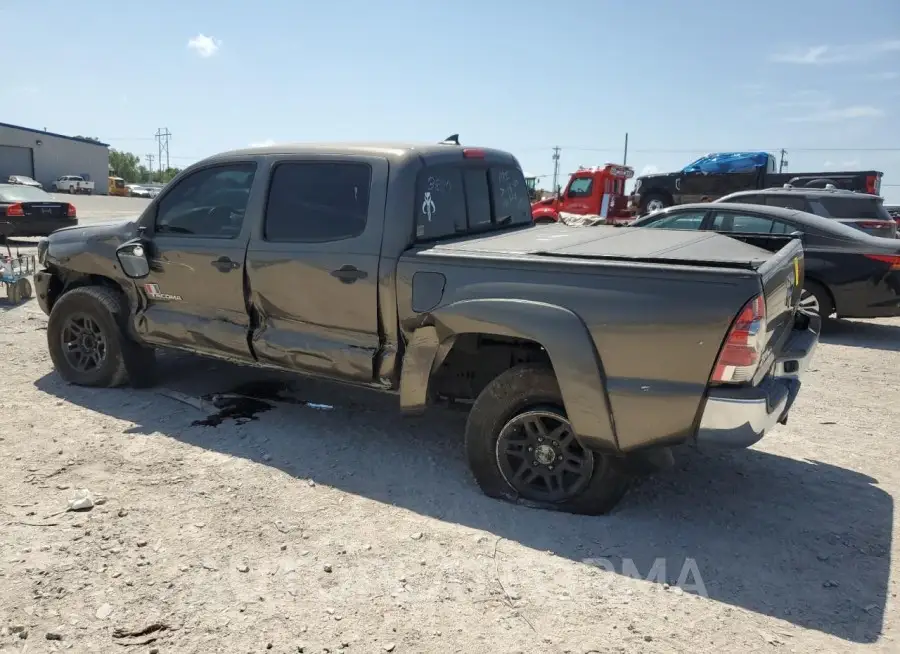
{"type": "Point", "coordinates": [246, 401]}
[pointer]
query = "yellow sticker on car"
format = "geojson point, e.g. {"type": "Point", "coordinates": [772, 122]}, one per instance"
{"type": "Point", "coordinates": [796, 271]}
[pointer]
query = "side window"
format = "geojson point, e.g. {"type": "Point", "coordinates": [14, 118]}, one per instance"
{"type": "Point", "coordinates": [786, 201]}
{"type": "Point", "coordinates": [317, 202]}
{"type": "Point", "coordinates": [209, 202]}
{"type": "Point", "coordinates": [691, 220]}
{"type": "Point", "coordinates": [440, 202]}
{"type": "Point", "coordinates": [581, 187]}
{"type": "Point", "coordinates": [509, 195]}
{"type": "Point", "coordinates": [746, 224]}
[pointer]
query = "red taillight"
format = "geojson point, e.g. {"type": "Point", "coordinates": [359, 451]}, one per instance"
{"type": "Point", "coordinates": [473, 153]}
{"type": "Point", "coordinates": [892, 260]}
{"type": "Point", "coordinates": [743, 347]}
{"type": "Point", "coordinates": [15, 210]}
{"type": "Point", "coordinates": [70, 211]}
{"type": "Point", "coordinates": [876, 224]}
{"type": "Point", "coordinates": [872, 184]}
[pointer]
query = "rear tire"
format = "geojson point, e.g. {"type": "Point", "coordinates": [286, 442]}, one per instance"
{"type": "Point", "coordinates": [88, 343]}
{"type": "Point", "coordinates": [498, 439]}
{"type": "Point", "coordinates": [815, 298]}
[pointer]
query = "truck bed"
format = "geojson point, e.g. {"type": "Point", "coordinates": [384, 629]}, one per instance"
{"type": "Point", "coordinates": [605, 243]}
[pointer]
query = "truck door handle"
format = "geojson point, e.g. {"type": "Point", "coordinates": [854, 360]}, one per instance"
{"type": "Point", "coordinates": [349, 274]}
{"type": "Point", "coordinates": [224, 264]}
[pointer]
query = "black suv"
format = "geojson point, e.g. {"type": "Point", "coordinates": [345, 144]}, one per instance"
{"type": "Point", "coordinates": [860, 210]}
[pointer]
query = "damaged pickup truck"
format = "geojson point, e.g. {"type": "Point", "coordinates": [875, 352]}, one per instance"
{"type": "Point", "coordinates": [584, 354]}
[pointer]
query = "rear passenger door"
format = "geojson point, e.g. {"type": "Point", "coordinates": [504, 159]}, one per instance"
{"type": "Point", "coordinates": [313, 266]}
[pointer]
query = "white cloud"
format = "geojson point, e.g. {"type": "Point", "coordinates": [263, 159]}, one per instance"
{"type": "Point", "coordinates": [205, 46]}
{"type": "Point", "coordinates": [649, 169]}
{"type": "Point", "coordinates": [886, 76]}
{"type": "Point", "coordinates": [834, 54]}
{"type": "Point", "coordinates": [262, 144]}
{"type": "Point", "coordinates": [831, 115]}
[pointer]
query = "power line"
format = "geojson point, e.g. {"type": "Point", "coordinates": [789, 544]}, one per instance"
{"type": "Point", "coordinates": [163, 138]}
{"type": "Point", "coordinates": [555, 166]}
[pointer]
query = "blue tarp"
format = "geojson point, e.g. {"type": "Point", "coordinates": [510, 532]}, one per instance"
{"type": "Point", "coordinates": [731, 162]}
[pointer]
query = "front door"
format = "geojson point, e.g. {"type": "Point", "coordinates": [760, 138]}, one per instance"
{"type": "Point", "coordinates": [195, 290]}
{"type": "Point", "coordinates": [313, 267]}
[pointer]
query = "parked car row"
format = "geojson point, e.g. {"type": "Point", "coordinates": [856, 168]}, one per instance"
{"type": "Point", "coordinates": [847, 272]}
{"type": "Point", "coordinates": [583, 354]}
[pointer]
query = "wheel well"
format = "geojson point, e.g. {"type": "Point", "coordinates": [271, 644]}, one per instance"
{"type": "Point", "coordinates": [657, 192]}
{"type": "Point", "coordinates": [65, 281]}
{"type": "Point", "coordinates": [474, 360]}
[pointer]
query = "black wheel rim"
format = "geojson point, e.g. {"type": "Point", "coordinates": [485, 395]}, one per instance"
{"type": "Point", "coordinates": [84, 343]}
{"type": "Point", "coordinates": [541, 459]}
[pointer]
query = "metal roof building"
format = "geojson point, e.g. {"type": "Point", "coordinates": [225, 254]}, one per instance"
{"type": "Point", "coordinates": [46, 156]}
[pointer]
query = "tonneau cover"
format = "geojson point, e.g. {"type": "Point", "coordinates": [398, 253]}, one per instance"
{"type": "Point", "coordinates": [613, 243]}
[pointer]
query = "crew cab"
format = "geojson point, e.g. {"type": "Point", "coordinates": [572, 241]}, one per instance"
{"type": "Point", "coordinates": [721, 173]}
{"type": "Point", "coordinates": [73, 184]}
{"type": "Point", "coordinates": [582, 355]}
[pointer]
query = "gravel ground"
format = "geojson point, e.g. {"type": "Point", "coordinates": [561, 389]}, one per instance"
{"type": "Point", "coordinates": [345, 528]}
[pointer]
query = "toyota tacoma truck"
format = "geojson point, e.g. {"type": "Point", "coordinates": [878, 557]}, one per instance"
{"type": "Point", "coordinates": [583, 355]}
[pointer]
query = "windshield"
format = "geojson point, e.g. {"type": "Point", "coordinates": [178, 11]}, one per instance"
{"type": "Point", "coordinates": [863, 208]}
{"type": "Point", "coordinates": [23, 194]}
{"type": "Point", "coordinates": [452, 200]}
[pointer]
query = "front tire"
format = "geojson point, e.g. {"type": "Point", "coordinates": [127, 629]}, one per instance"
{"type": "Point", "coordinates": [521, 448]}
{"type": "Point", "coordinates": [653, 202]}
{"type": "Point", "coordinates": [87, 340]}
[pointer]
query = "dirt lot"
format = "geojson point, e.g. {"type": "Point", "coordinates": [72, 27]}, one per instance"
{"type": "Point", "coordinates": [343, 528]}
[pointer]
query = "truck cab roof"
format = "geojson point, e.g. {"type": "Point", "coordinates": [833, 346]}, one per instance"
{"type": "Point", "coordinates": [392, 150]}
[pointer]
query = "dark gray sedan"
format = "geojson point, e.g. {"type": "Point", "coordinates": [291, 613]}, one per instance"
{"type": "Point", "coordinates": [847, 272]}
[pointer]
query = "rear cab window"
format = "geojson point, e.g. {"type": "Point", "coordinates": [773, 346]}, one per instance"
{"type": "Point", "coordinates": [469, 197]}
{"type": "Point", "coordinates": [863, 208]}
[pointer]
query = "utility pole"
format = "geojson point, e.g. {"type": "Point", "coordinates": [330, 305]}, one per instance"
{"type": "Point", "coordinates": [162, 136]}
{"type": "Point", "coordinates": [783, 163]}
{"type": "Point", "coordinates": [150, 159]}
{"type": "Point", "coordinates": [625, 156]}
{"type": "Point", "coordinates": [555, 168]}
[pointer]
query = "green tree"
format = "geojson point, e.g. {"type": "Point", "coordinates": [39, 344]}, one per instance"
{"type": "Point", "coordinates": [127, 166]}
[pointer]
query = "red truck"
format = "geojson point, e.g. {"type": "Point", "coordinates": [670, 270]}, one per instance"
{"type": "Point", "coordinates": [591, 193]}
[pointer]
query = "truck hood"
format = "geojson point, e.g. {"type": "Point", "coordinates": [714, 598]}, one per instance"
{"type": "Point", "coordinates": [119, 231]}
{"type": "Point", "coordinates": [609, 243]}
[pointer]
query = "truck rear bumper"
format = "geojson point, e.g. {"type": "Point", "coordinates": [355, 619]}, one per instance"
{"type": "Point", "coordinates": [740, 417]}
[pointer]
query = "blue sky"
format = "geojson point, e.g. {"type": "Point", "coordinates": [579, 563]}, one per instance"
{"type": "Point", "coordinates": [818, 77]}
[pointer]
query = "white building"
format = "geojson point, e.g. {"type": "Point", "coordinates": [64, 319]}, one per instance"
{"type": "Point", "coordinates": [46, 156]}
